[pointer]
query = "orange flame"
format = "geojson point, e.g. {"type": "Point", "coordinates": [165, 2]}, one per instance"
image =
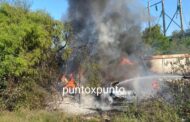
{"type": "Point", "coordinates": [125, 61]}
{"type": "Point", "coordinates": [155, 85]}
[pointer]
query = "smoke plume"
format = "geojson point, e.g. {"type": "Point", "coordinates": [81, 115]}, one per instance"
{"type": "Point", "coordinates": [110, 30]}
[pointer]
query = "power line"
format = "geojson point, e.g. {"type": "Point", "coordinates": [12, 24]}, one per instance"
{"type": "Point", "coordinates": [163, 14]}
{"type": "Point", "coordinates": [172, 20]}
{"type": "Point", "coordinates": [155, 4]}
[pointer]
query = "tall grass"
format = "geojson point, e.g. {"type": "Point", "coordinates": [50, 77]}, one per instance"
{"type": "Point", "coordinates": [149, 111]}
{"type": "Point", "coordinates": [38, 116]}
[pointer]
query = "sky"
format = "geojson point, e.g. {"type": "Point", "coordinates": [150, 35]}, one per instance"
{"type": "Point", "coordinates": [58, 8]}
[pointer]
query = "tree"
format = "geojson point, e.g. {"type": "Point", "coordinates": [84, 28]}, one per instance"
{"type": "Point", "coordinates": [180, 42]}
{"type": "Point", "coordinates": [26, 55]}
{"type": "Point", "coordinates": [159, 43]}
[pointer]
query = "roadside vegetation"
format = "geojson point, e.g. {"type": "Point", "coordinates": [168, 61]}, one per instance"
{"type": "Point", "coordinates": [149, 111]}
{"type": "Point", "coordinates": [28, 63]}
{"type": "Point", "coordinates": [177, 43]}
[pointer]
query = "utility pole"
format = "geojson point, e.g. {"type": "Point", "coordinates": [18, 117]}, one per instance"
{"type": "Point", "coordinates": [163, 16]}
{"type": "Point", "coordinates": [180, 12]}
{"type": "Point", "coordinates": [149, 13]}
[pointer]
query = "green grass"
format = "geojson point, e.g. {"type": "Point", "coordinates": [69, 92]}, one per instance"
{"type": "Point", "coordinates": [150, 111]}
{"type": "Point", "coordinates": [38, 116]}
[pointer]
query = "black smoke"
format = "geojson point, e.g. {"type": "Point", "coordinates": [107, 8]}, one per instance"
{"type": "Point", "coordinates": [109, 29]}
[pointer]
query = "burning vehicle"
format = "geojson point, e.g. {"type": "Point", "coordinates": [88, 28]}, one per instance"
{"type": "Point", "coordinates": [155, 87]}
{"type": "Point", "coordinates": [116, 95]}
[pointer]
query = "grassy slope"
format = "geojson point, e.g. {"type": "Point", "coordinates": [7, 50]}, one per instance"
{"type": "Point", "coordinates": [153, 111]}
{"type": "Point", "coordinates": [36, 116]}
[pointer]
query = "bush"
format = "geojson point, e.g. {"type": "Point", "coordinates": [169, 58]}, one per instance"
{"type": "Point", "coordinates": [27, 58]}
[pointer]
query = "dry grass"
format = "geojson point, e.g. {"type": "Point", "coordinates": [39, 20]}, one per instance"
{"type": "Point", "coordinates": [151, 111]}
{"type": "Point", "coordinates": [37, 116]}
